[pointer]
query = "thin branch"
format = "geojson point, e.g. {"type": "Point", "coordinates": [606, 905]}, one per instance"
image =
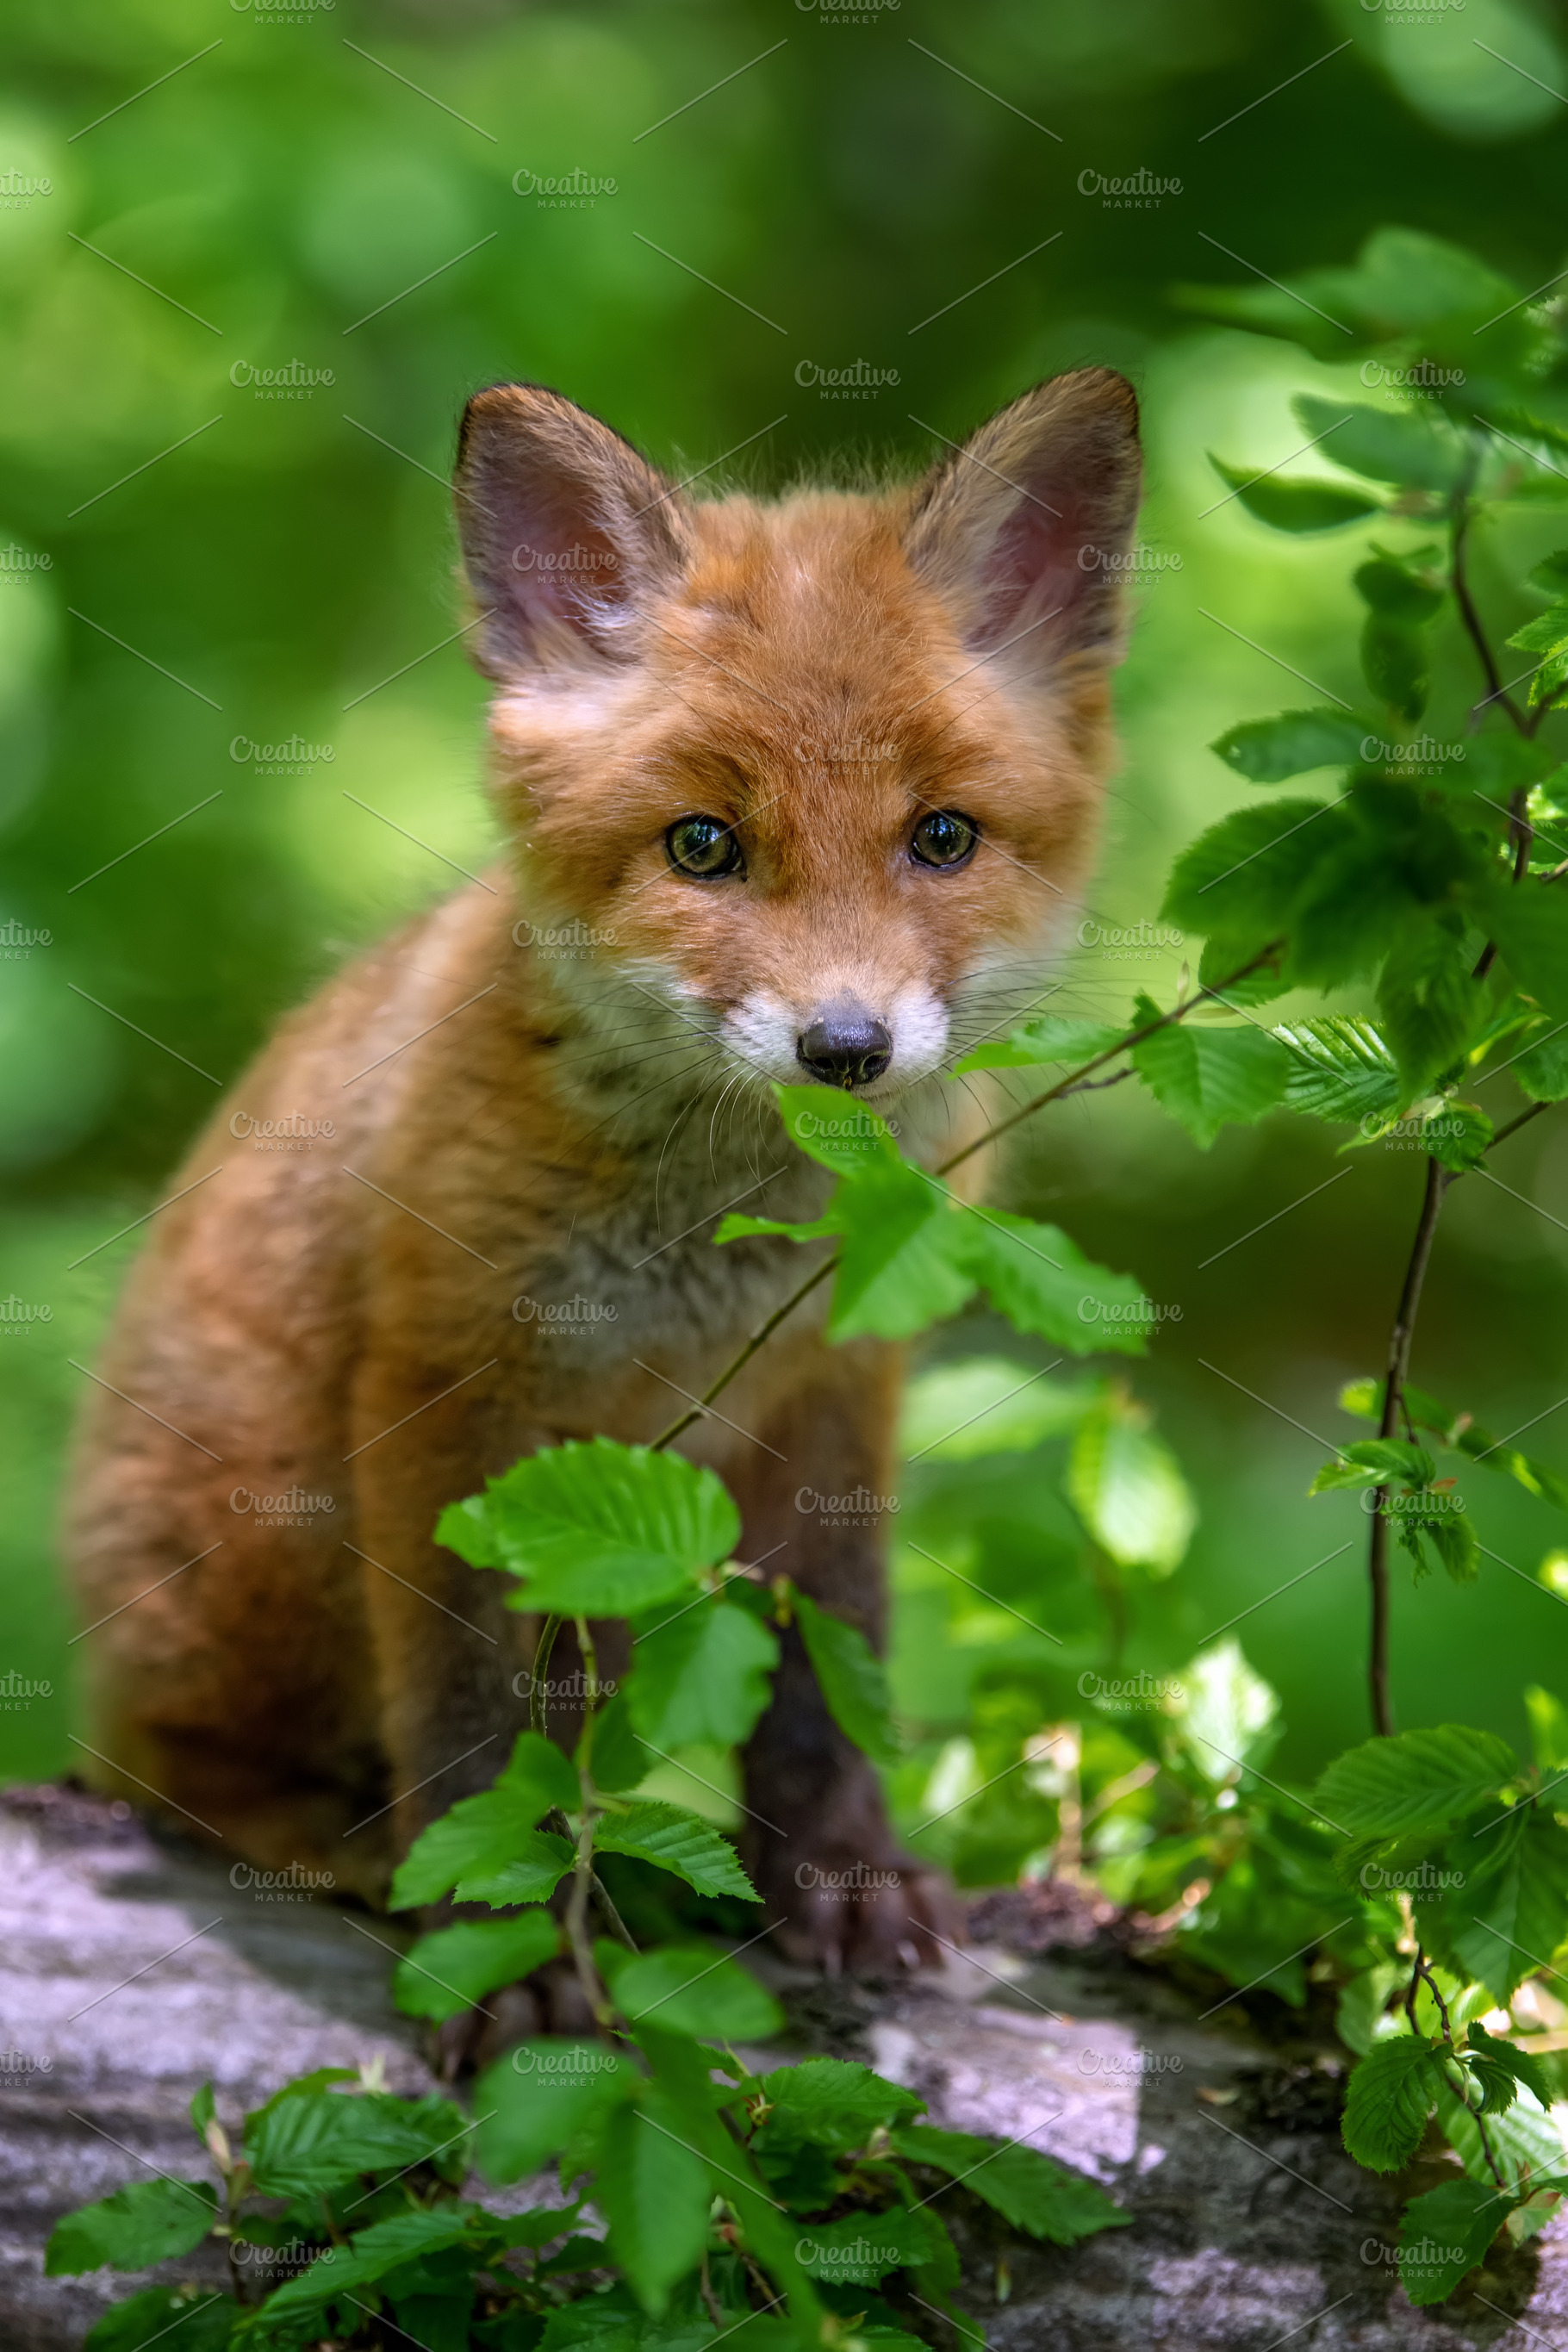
{"type": "Point", "coordinates": [1399, 1343]}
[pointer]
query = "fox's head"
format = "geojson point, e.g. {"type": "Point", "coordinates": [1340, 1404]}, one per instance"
{"type": "Point", "coordinates": [818, 778]}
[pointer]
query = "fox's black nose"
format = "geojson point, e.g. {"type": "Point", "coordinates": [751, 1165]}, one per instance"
{"type": "Point", "coordinates": [846, 1048]}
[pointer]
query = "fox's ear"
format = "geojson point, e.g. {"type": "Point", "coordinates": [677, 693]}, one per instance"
{"type": "Point", "coordinates": [565, 529]}
{"type": "Point", "coordinates": [1021, 532]}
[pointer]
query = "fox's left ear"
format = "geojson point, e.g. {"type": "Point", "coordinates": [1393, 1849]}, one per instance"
{"type": "Point", "coordinates": [1021, 532]}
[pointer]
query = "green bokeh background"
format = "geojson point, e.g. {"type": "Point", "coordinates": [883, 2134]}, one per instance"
{"type": "Point", "coordinates": [273, 199]}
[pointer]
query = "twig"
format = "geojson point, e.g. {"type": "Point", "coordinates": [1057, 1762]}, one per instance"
{"type": "Point", "coordinates": [1399, 1342]}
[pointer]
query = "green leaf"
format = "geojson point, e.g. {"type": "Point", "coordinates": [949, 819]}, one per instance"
{"type": "Point", "coordinates": [620, 1758]}
{"type": "Point", "coordinates": [1268, 750]}
{"type": "Point", "coordinates": [1027, 2189]}
{"type": "Point", "coordinates": [1510, 1911]}
{"type": "Point", "coordinates": [852, 1678]}
{"type": "Point", "coordinates": [1548, 1728]}
{"type": "Point", "coordinates": [1243, 876]}
{"type": "Point", "coordinates": [1209, 1078]}
{"type": "Point", "coordinates": [1403, 283]}
{"type": "Point", "coordinates": [1428, 1005]}
{"type": "Point", "coordinates": [204, 2318]}
{"type": "Point", "coordinates": [541, 2096]}
{"type": "Point", "coordinates": [988, 1404]}
{"type": "Point", "coordinates": [1396, 664]}
{"type": "Point", "coordinates": [1417, 1781]}
{"type": "Point", "coordinates": [1530, 924]}
{"type": "Point", "coordinates": [835, 1129]}
{"type": "Point", "coordinates": [1550, 574]}
{"type": "Point", "coordinates": [446, 1973]}
{"type": "Point", "coordinates": [1052, 1038]}
{"type": "Point", "coordinates": [482, 1834]}
{"type": "Point", "coordinates": [1507, 2058]}
{"type": "Point", "coordinates": [1445, 2234]}
{"type": "Point", "coordinates": [1227, 1711]}
{"type": "Point", "coordinates": [1340, 1068]}
{"type": "Point", "coordinates": [1413, 449]}
{"type": "Point", "coordinates": [597, 1528]}
{"type": "Point", "coordinates": [1291, 505]}
{"type": "Point", "coordinates": [1043, 1283]}
{"type": "Point", "coordinates": [834, 2103]}
{"type": "Point", "coordinates": [654, 2192]}
{"type": "Point", "coordinates": [341, 2275]}
{"type": "Point", "coordinates": [1392, 2093]}
{"type": "Point", "coordinates": [1542, 1068]}
{"type": "Point", "coordinates": [1458, 1136]}
{"type": "Point", "coordinates": [686, 1989]}
{"type": "Point", "coordinates": [864, 2247]}
{"type": "Point", "coordinates": [300, 2147]}
{"type": "Point", "coordinates": [677, 1842]}
{"type": "Point", "coordinates": [702, 1676]}
{"type": "Point", "coordinates": [145, 2222]}
{"type": "Point", "coordinates": [1128, 1488]}
{"type": "Point", "coordinates": [540, 1861]}
{"type": "Point", "coordinates": [1401, 588]}
{"type": "Point", "coordinates": [1374, 1462]}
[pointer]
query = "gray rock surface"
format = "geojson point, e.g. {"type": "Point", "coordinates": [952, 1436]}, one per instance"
{"type": "Point", "coordinates": [132, 1969]}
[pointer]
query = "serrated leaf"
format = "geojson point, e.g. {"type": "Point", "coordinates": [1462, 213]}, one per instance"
{"type": "Point", "coordinates": [300, 2147]}
{"type": "Point", "coordinates": [1243, 876]}
{"type": "Point", "coordinates": [677, 1842]}
{"type": "Point", "coordinates": [540, 1861]}
{"type": "Point", "coordinates": [988, 1404]}
{"type": "Point", "coordinates": [1411, 449]}
{"type": "Point", "coordinates": [343, 2274]}
{"type": "Point", "coordinates": [482, 1834]}
{"type": "Point", "coordinates": [688, 1989]}
{"type": "Point", "coordinates": [543, 2093]}
{"type": "Point", "coordinates": [1510, 1911]}
{"type": "Point", "coordinates": [1044, 1285]}
{"type": "Point", "coordinates": [864, 2247]}
{"type": "Point", "coordinates": [1428, 1005]}
{"type": "Point", "coordinates": [1542, 1068]}
{"type": "Point", "coordinates": [446, 1973]}
{"type": "Point", "coordinates": [1287, 504]}
{"type": "Point", "coordinates": [654, 2192]}
{"type": "Point", "coordinates": [1270, 751]}
{"type": "Point", "coordinates": [1415, 1782]}
{"type": "Point", "coordinates": [1392, 2093]}
{"type": "Point", "coordinates": [835, 2103]}
{"type": "Point", "coordinates": [1445, 2234]}
{"type": "Point", "coordinates": [835, 1129]}
{"type": "Point", "coordinates": [1374, 1462]}
{"type": "Point", "coordinates": [1209, 1078]}
{"type": "Point", "coordinates": [1491, 2051]}
{"type": "Point", "coordinates": [1052, 1038]}
{"type": "Point", "coordinates": [146, 2221]}
{"type": "Point", "coordinates": [1030, 2190]}
{"type": "Point", "coordinates": [597, 1528]}
{"type": "Point", "coordinates": [1128, 1488]}
{"type": "Point", "coordinates": [851, 1677]}
{"type": "Point", "coordinates": [1530, 924]}
{"type": "Point", "coordinates": [1340, 1068]}
{"type": "Point", "coordinates": [702, 1676]}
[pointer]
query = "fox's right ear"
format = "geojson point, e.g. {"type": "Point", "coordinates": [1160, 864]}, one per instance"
{"type": "Point", "coordinates": [565, 529]}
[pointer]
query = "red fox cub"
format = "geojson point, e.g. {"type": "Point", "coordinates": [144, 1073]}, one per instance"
{"type": "Point", "coordinates": [791, 790]}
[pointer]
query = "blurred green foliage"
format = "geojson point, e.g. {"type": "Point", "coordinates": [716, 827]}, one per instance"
{"type": "Point", "coordinates": [197, 564]}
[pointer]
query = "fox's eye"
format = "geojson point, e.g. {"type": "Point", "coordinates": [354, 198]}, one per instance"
{"type": "Point", "coordinates": [946, 837]}
{"type": "Point", "coordinates": [701, 846]}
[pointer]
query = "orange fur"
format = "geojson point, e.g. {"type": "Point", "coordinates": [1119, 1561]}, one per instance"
{"type": "Point", "coordinates": [374, 1322]}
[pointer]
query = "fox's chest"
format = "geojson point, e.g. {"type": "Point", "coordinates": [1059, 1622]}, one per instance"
{"type": "Point", "coordinates": [635, 1271]}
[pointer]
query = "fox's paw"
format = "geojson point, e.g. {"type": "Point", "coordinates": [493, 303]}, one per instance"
{"type": "Point", "coordinates": [551, 2000]}
{"type": "Point", "coordinates": [847, 1915]}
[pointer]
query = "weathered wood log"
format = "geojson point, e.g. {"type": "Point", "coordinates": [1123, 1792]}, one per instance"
{"type": "Point", "coordinates": [132, 1969]}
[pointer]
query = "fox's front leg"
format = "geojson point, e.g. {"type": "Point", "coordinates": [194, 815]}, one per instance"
{"type": "Point", "coordinates": [813, 1494]}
